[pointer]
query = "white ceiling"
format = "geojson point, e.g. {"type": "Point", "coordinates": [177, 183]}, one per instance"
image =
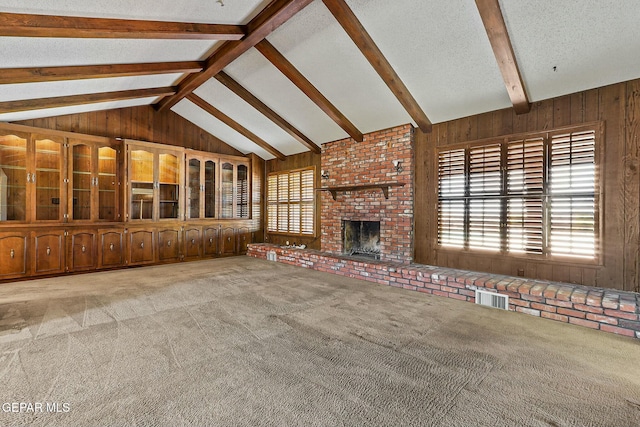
{"type": "Point", "coordinates": [439, 48]}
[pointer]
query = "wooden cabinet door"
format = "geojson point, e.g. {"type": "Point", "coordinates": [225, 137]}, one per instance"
{"type": "Point", "coordinates": [13, 255]}
{"type": "Point", "coordinates": [168, 245]}
{"type": "Point", "coordinates": [228, 241]}
{"type": "Point", "coordinates": [111, 248]}
{"type": "Point", "coordinates": [244, 238]}
{"type": "Point", "coordinates": [49, 252]}
{"type": "Point", "coordinates": [211, 239]}
{"type": "Point", "coordinates": [82, 253]}
{"type": "Point", "coordinates": [193, 242]}
{"type": "Point", "coordinates": [141, 250]}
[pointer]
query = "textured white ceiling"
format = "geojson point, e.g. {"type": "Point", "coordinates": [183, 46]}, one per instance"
{"type": "Point", "coordinates": [439, 48]}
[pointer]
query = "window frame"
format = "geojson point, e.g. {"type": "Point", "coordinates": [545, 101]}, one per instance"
{"type": "Point", "coordinates": [546, 195]}
{"type": "Point", "coordinates": [303, 201]}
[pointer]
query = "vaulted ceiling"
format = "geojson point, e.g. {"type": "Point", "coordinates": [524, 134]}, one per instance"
{"type": "Point", "coordinates": [284, 76]}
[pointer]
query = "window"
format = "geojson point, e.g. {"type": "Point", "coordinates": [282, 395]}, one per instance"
{"type": "Point", "coordinates": [291, 202]}
{"type": "Point", "coordinates": [531, 195]}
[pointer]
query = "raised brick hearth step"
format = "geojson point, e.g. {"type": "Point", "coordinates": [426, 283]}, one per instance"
{"type": "Point", "coordinates": [608, 310]}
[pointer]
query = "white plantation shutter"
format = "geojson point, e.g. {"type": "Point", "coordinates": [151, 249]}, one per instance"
{"type": "Point", "coordinates": [525, 185]}
{"type": "Point", "coordinates": [572, 191]}
{"type": "Point", "coordinates": [451, 190]}
{"type": "Point", "coordinates": [291, 202]}
{"type": "Point", "coordinates": [535, 195]}
{"type": "Point", "coordinates": [485, 185]}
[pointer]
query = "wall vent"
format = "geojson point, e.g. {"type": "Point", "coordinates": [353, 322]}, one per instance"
{"type": "Point", "coordinates": [492, 299]}
{"type": "Point", "coordinates": [271, 256]}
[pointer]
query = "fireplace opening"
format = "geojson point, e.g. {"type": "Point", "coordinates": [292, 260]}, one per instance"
{"type": "Point", "coordinates": [361, 238]}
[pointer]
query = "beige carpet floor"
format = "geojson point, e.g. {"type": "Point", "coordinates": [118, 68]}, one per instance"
{"type": "Point", "coordinates": [245, 342]}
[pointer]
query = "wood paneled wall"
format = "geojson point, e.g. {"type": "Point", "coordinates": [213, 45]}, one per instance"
{"type": "Point", "coordinates": [296, 161]}
{"type": "Point", "coordinates": [619, 107]}
{"type": "Point", "coordinates": [143, 123]}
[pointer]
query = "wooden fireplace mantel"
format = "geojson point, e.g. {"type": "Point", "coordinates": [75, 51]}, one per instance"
{"type": "Point", "coordinates": [384, 186]}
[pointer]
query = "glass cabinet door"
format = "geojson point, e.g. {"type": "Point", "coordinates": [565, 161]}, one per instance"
{"type": "Point", "coordinates": [242, 192]}
{"type": "Point", "coordinates": [107, 184]}
{"type": "Point", "coordinates": [142, 183]}
{"type": "Point", "coordinates": [226, 191]}
{"type": "Point", "coordinates": [81, 181]}
{"type": "Point", "coordinates": [210, 189]}
{"type": "Point", "coordinates": [194, 189]}
{"type": "Point", "coordinates": [47, 179]}
{"type": "Point", "coordinates": [13, 177]}
{"type": "Point", "coordinates": [169, 185]}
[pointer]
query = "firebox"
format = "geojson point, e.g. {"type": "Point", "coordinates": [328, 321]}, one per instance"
{"type": "Point", "coordinates": [361, 238]}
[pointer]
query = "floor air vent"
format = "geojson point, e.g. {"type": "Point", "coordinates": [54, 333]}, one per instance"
{"type": "Point", "coordinates": [492, 299]}
{"type": "Point", "coordinates": [271, 256]}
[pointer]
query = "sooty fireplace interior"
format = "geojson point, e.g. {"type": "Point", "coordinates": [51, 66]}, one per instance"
{"type": "Point", "coordinates": [361, 238]}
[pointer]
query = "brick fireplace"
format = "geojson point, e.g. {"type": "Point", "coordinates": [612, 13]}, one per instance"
{"type": "Point", "coordinates": [358, 165]}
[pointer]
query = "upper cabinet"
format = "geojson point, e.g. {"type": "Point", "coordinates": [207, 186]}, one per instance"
{"type": "Point", "coordinates": [155, 180]}
{"type": "Point", "coordinates": [49, 177]}
{"type": "Point", "coordinates": [234, 190]}
{"type": "Point", "coordinates": [202, 170]}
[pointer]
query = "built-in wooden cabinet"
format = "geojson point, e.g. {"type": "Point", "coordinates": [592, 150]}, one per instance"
{"type": "Point", "coordinates": [13, 253]}
{"type": "Point", "coordinates": [82, 251]}
{"type": "Point", "coordinates": [74, 203]}
{"type": "Point", "coordinates": [111, 248]}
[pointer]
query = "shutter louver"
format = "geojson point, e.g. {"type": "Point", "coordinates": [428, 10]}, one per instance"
{"type": "Point", "coordinates": [307, 199]}
{"type": "Point", "coordinates": [572, 191]}
{"type": "Point", "coordinates": [485, 179]}
{"type": "Point", "coordinates": [525, 178]}
{"type": "Point", "coordinates": [283, 203]}
{"type": "Point", "coordinates": [272, 203]}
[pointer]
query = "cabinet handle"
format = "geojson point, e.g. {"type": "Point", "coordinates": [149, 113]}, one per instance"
{"type": "Point", "coordinates": [84, 248]}
{"type": "Point", "coordinates": [111, 247]}
{"type": "Point", "coordinates": [228, 239]}
{"type": "Point", "coordinates": [29, 177]}
{"type": "Point", "coordinates": [33, 177]}
{"type": "Point", "coordinates": [12, 253]}
{"type": "Point", "coordinates": [141, 245]}
{"type": "Point", "coordinates": [48, 250]}
{"type": "Point", "coordinates": [193, 241]}
{"type": "Point", "coordinates": [168, 242]}
{"type": "Point", "coordinates": [210, 239]}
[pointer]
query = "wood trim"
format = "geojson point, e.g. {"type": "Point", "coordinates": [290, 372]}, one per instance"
{"type": "Point", "coordinates": [25, 25]}
{"type": "Point", "coordinates": [79, 136]}
{"type": "Point", "coordinates": [286, 68]}
{"type": "Point", "coordinates": [65, 101]}
{"type": "Point", "coordinates": [271, 17]}
{"type": "Point", "coordinates": [501, 43]}
{"type": "Point", "coordinates": [352, 26]}
{"type": "Point", "coordinates": [247, 96]}
{"type": "Point", "coordinates": [49, 74]}
{"type": "Point", "coordinates": [234, 125]}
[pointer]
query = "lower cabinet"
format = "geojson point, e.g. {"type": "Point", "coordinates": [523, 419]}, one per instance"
{"type": "Point", "coordinates": [168, 245]}
{"type": "Point", "coordinates": [49, 252]}
{"type": "Point", "coordinates": [211, 239]}
{"type": "Point", "coordinates": [243, 237]}
{"type": "Point", "coordinates": [82, 250]}
{"type": "Point", "coordinates": [141, 247]}
{"type": "Point", "coordinates": [228, 241]}
{"type": "Point", "coordinates": [111, 248]}
{"type": "Point", "coordinates": [192, 242]}
{"type": "Point", "coordinates": [14, 255]}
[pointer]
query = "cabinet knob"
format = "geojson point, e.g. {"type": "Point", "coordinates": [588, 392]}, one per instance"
{"type": "Point", "coordinates": [48, 250]}
{"type": "Point", "coordinates": [84, 249]}
{"type": "Point", "coordinates": [228, 239]}
{"type": "Point", "coordinates": [210, 239]}
{"type": "Point", "coordinates": [29, 177]}
{"type": "Point", "coordinates": [12, 253]}
{"type": "Point", "coordinates": [193, 241]}
{"type": "Point", "coordinates": [168, 242]}
{"type": "Point", "coordinates": [141, 245]}
{"type": "Point", "coordinates": [111, 247]}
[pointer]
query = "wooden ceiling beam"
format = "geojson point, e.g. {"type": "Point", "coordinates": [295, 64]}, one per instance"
{"type": "Point", "coordinates": [24, 25]}
{"type": "Point", "coordinates": [50, 74]}
{"type": "Point", "coordinates": [235, 125]}
{"type": "Point", "coordinates": [248, 97]}
{"type": "Point", "coordinates": [352, 26]}
{"type": "Point", "coordinates": [66, 101]}
{"type": "Point", "coordinates": [271, 17]}
{"type": "Point", "coordinates": [503, 50]}
{"type": "Point", "coordinates": [286, 68]}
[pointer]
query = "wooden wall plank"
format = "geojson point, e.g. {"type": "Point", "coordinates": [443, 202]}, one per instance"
{"type": "Point", "coordinates": [631, 187]}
